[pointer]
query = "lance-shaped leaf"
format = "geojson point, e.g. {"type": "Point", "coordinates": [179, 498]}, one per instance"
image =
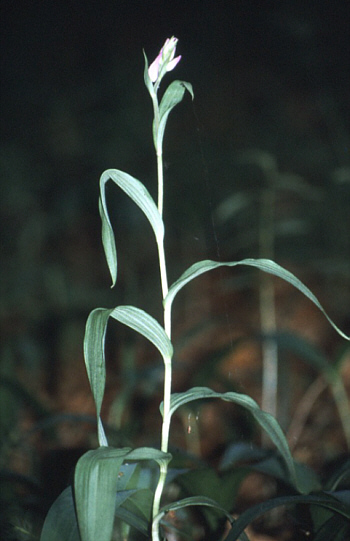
{"type": "Point", "coordinates": [96, 487]}
{"type": "Point", "coordinates": [143, 323]}
{"type": "Point", "coordinates": [147, 79]}
{"type": "Point", "coordinates": [140, 195]}
{"type": "Point", "coordinates": [265, 420]}
{"type": "Point", "coordinates": [172, 96]}
{"type": "Point", "coordinates": [135, 497]}
{"type": "Point", "coordinates": [94, 341]}
{"type": "Point", "coordinates": [265, 265]}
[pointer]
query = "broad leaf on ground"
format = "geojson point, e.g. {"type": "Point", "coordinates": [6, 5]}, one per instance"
{"type": "Point", "coordinates": [61, 521]}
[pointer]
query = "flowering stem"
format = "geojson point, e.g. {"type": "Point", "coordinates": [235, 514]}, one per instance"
{"type": "Point", "coordinates": [160, 181]}
{"type": "Point", "coordinates": [162, 267]}
{"type": "Point", "coordinates": [167, 328]}
{"type": "Point", "coordinates": [164, 447]}
{"type": "Point", "coordinates": [156, 501]}
{"type": "Point", "coordinates": [164, 62]}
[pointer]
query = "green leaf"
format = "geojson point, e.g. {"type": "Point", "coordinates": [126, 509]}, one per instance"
{"type": "Point", "coordinates": [207, 483]}
{"type": "Point", "coordinates": [128, 476]}
{"type": "Point", "coordinates": [323, 500]}
{"type": "Point", "coordinates": [196, 501]}
{"type": "Point", "coordinates": [335, 528]}
{"type": "Point", "coordinates": [146, 78]}
{"type": "Point", "coordinates": [95, 485]}
{"type": "Point", "coordinates": [94, 340]}
{"type": "Point", "coordinates": [135, 497]}
{"type": "Point", "coordinates": [143, 323]}
{"type": "Point", "coordinates": [95, 334]}
{"type": "Point", "coordinates": [108, 241]}
{"type": "Point", "coordinates": [96, 488]}
{"type": "Point", "coordinates": [140, 195]}
{"type": "Point", "coordinates": [61, 521]}
{"type": "Point", "coordinates": [265, 265]}
{"type": "Point", "coordinates": [136, 508]}
{"type": "Point", "coordinates": [172, 96]}
{"type": "Point", "coordinates": [265, 420]}
{"type": "Point", "coordinates": [149, 453]}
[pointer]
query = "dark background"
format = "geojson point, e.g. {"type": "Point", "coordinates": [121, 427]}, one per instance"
{"type": "Point", "coordinates": [267, 76]}
{"type": "Point", "coordinates": [271, 83]}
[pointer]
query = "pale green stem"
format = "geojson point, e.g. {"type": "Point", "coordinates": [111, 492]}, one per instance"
{"type": "Point", "coordinates": [160, 181]}
{"type": "Point", "coordinates": [167, 328]}
{"type": "Point", "coordinates": [164, 447]}
{"type": "Point", "coordinates": [166, 406]}
{"type": "Point", "coordinates": [155, 527]}
{"type": "Point", "coordinates": [163, 273]}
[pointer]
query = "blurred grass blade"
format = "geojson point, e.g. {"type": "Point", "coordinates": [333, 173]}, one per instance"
{"type": "Point", "coordinates": [305, 350]}
{"type": "Point", "coordinates": [140, 195]}
{"type": "Point", "coordinates": [334, 529]}
{"type": "Point", "coordinates": [331, 372]}
{"type": "Point", "coordinates": [197, 501]}
{"type": "Point", "coordinates": [172, 96]}
{"type": "Point", "coordinates": [265, 265]}
{"type": "Point", "coordinates": [342, 474]}
{"type": "Point", "coordinates": [267, 422]}
{"type": "Point", "coordinates": [61, 521]}
{"type": "Point", "coordinates": [322, 500]}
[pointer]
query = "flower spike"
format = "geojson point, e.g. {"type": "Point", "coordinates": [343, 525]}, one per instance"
{"type": "Point", "coordinates": [165, 61]}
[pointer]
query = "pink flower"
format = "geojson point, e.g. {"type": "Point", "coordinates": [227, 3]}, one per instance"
{"type": "Point", "coordinates": [165, 60]}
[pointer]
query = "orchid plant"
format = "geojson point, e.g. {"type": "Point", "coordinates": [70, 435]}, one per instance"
{"type": "Point", "coordinates": [114, 482]}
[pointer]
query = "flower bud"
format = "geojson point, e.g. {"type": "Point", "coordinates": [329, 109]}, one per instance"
{"type": "Point", "coordinates": [165, 60]}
